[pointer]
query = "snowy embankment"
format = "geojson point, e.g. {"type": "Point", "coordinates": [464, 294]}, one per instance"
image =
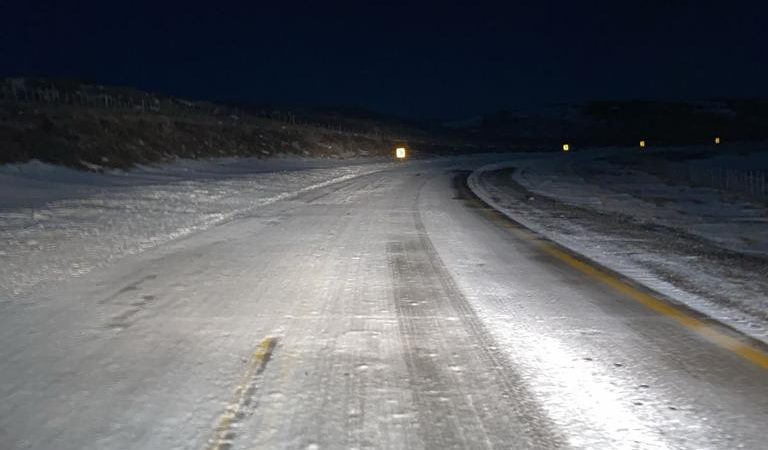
{"type": "Point", "coordinates": [699, 246]}
{"type": "Point", "coordinates": [56, 222]}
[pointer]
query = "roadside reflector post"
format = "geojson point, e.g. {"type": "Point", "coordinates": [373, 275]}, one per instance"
{"type": "Point", "coordinates": [642, 143]}
{"type": "Point", "coordinates": [400, 153]}
{"type": "Point", "coordinates": [566, 148]}
{"type": "Point", "coordinates": [717, 140]}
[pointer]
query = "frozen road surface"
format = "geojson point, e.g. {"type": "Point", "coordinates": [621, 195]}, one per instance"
{"type": "Point", "coordinates": [386, 311]}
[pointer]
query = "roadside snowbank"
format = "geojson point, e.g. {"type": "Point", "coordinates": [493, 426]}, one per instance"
{"type": "Point", "coordinates": [595, 182]}
{"type": "Point", "coordinates": [695, 245]}
{"type": "Point", "coordinates": [57, 222]}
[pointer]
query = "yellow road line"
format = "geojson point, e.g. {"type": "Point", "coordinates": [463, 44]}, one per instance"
{"type": "Point", "coordinates": [224, 434]}
{"type": "Point", "coordinates": [744, 349]}
{"type": "Point", "coordinates": [741, 348]}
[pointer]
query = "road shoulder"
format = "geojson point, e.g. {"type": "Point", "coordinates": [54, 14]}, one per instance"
{"type": "Point", "coordinates": [714, 282]}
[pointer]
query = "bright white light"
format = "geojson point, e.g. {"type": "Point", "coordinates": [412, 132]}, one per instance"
{"type": "Point", "coordinates": [566, 148]}
{"type": "Point", "coordinates": [400, 153]}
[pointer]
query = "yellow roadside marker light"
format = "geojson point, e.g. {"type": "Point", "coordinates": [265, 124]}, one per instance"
{"type": "Point", "coordinates": [566, 148]}
{"type": "Point", "coordinates": [400, 153]}
{"type": "Point", "coordinates": [717, 140]}
{"type": "Point", "coordinates": [642, 144]}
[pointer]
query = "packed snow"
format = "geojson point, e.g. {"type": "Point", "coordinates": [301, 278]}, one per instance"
{"type": "Point", "coordinates": [402, 317]}
{"type": "Point", "coordinates": [57, 222]}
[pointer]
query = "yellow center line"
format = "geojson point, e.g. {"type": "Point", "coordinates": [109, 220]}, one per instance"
{"type": "Point", "coordinates": [224, 434]}
{"type": "Point", "coordinates": [741, 347]}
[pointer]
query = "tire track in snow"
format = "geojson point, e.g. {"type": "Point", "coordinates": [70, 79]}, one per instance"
{"type": "Point", "coordinates": [466, 393]}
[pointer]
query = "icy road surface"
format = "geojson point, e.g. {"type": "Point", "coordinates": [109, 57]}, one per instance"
{"type": "Point", "coordinates": [388, 310]}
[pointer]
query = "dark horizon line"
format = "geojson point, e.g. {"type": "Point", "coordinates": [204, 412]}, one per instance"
{"type": "Point", "coordinates": [428, 118]}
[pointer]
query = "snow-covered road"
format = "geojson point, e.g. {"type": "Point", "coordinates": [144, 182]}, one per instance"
{"type": "Point", "coordinates": [386, 310]}
{"type": "Point", "coordinates": [57, 223]}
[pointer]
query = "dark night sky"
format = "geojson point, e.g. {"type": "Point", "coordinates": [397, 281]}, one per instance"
{"type": "Point", "coordinates": [425, 59]}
